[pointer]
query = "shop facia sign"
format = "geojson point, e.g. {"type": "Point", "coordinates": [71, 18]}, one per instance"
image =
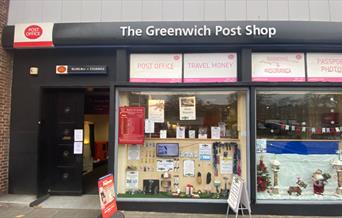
{"type": "Point", "coordinates": [199, 30]}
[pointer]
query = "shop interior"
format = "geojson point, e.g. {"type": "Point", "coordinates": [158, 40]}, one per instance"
{"type": "Point", "coordinates": [194, 142]}
{"type": "Point", "coordinates": [96, 122]}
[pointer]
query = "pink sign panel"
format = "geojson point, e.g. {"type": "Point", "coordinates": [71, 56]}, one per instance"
{"type": "Point", "coordinates": [210, 67]}
{"type": "Point", "coordinates": [324, 67]}
{"type": "Point", "coordinates": [278, 67]}
{"type": "Point", "coordinates": [156, 68]}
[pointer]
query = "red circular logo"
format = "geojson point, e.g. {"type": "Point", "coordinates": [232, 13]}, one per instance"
{"type": "Point", "coordinates": [298, 56]}
{"type": "Point", "coordinates": [231, 56]}
{"type": "Point", "coordinates": [33, 32]}
{"type": "Point", "coordinates": [61, 69]}
{"type": "Point", "coordinates": [176, 57]}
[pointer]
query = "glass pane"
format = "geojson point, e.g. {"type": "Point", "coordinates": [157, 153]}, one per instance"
{"type": "Point", "coordinates": [196, 162]}
{"type": "Point", "coordinates": [298, 138]}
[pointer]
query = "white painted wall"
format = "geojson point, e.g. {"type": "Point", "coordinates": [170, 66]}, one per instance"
{"type": "Point", "coordinates": [24, 11]}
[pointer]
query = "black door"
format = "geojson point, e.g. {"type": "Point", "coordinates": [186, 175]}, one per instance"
{"type": "Point", "coordinates": [63, 170]}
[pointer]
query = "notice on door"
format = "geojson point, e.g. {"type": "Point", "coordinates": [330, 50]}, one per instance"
{"type": "Point", "coordinates": [131, 125]}
{"type": "Point", "coordinates": [210, 67]}
{"type": "Point", "coordinates": [278, 67]}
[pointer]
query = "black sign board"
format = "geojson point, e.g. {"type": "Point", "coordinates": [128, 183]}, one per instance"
{"type": "Point", "coordinates": [87, 69]}
{"type": "Point", "coordinates": [81, 69]}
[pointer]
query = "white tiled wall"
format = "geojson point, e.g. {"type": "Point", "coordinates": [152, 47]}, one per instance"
{"type": "Point", "coordinates": [23, 11]}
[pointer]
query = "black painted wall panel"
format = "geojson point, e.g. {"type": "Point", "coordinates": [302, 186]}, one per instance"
{"type": "Point", "coordinates": [26, 92]}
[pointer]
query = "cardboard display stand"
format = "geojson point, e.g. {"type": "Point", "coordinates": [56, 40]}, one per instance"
{"type": "Point", "coordinates": [238, 198]}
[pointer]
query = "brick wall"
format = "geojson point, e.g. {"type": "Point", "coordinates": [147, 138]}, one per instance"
{"type": "Point", "coordinates": [5, 101]}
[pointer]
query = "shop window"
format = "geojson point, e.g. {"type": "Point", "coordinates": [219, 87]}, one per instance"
{"type": "Point", "coordinates": [298, 145]}
{"type": "Point", "coordinates": [194, 142]}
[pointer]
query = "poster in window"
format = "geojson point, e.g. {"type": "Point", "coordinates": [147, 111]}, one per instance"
{"type": "Point", "coordinates": [131, 125]}
{"type": "Point", "coordinates": [210, 67]}
{"type": "Point", "coordinates": [278, 67]}
{"type": "Point", "coordinates": [324, 67]}
{"type": "Point", "coordinates": [187, 108]}
{"type": "Point", "coordinates": [156, 110]}
{"type": "Point", "coordinates": [149, 126]}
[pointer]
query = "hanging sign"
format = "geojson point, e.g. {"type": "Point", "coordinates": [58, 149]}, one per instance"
{"type": "Point", "coordinates": [210, 67]}
{"type": "Point", "coordinates": [324, 67]}
{"type": "Point", "coordinates": [278, 67]}
{"type": "Point", "coordinates": [33, 35]}
{"type": "Point", "coordinates": [107, 196]}
{"type": "Point", "coordinates": [238, 195]}
{"type": "Point", "coordinates": [187, 108]}
{"type": "Point", "coordinates": [131, 125]}
{"type": "Point", "coordinates": [158, 68]}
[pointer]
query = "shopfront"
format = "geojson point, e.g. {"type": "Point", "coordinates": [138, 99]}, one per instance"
{"type": "Point", "coordinates": [184, 107]}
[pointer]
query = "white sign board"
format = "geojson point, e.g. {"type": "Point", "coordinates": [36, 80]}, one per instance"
{"type": "Point", "coordinates": [238, 195]}
{"type": "Point", "coordinates": [33, 35]}
{"type": "Point", "coordinates": [157, 68]}
{"type": "Point", "coordinates": [210, 67]}
{"type": "Point", "coordinates": [324, 67]}
{"type": "Point", "coordinates": [278, 67]}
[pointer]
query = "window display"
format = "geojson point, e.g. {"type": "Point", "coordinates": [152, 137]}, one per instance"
{"type": "Point", "coordinates": [198, 141]}
{"type": "Point", "coordinates": [298, 145]}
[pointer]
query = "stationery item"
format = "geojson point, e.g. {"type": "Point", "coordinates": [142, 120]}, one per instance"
{"type": "Point", "coordinates": [192, 134]}
{"type": "Point", "coordinates": [180, 132]}
{"type": "Point", "coordinates": [163, 134]}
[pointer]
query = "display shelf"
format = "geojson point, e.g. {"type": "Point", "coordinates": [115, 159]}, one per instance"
{"type": "Point", "coordinates": [195, 139]}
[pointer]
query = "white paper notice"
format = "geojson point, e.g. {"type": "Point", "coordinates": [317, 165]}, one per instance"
{"type": "Point", "coordinates": [189, 168]}
{"type": "Point", "coordinates": [165, 165]}
{"type": "Point", "coordinates": [215, 132]}
{"type": "Point", "coordinates": [180, 132]}
{"type": "Point", "coordinates": [226, 166]}
{"type": "Point", "coordinates": [149, 126]}
{"type": "Point", "coordinates": [156, 110]}
{"type": "Point", "coordinates": [261, 145]}
{"type": "Point", "coordinates": [78, 147]}
{"type": "Point", "coordinates": [205, 151]}
{"type": "Point", "coordinates": [187, 108]}
{"type": "Point", "coordinates": [132, 179]}
{"type": "Point", "coordinates": [78, 135]}
{"type": "Point", "coordinates": [133, 152]}
{"type": "Point", "coordinates": [163, 134]}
